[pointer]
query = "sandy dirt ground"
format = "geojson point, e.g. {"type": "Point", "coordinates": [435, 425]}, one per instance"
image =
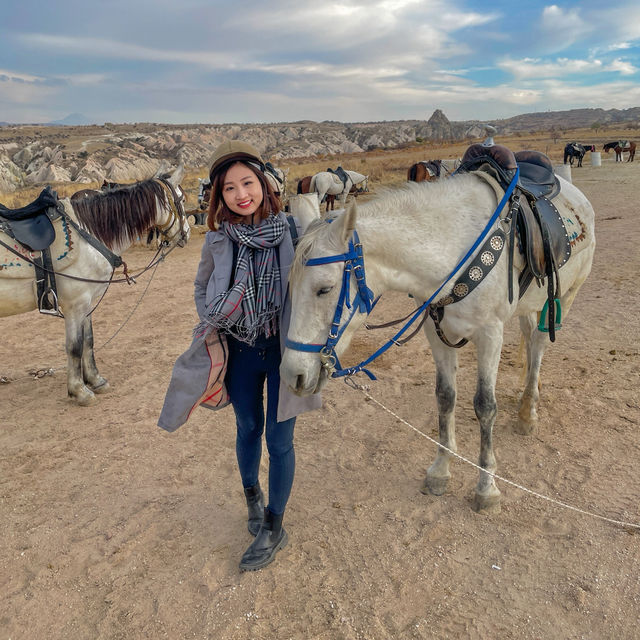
{"type": "Point", "coordinates": [112, 528]}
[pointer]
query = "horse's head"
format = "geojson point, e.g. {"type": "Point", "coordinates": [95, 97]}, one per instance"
{"type": "Point", "coordinates": [171, 220]}
{"type": "Point", "coordinates": [317, 289]}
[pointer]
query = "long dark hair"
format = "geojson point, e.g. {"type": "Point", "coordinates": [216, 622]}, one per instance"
{"type": "Point", "coordinates": [218, 210]}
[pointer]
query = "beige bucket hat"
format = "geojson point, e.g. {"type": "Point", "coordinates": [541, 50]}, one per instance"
{"type": "Point", "coordinates": [231, 150]}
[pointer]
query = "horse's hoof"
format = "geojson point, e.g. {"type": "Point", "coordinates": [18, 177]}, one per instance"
{"type": "Point", "coordinates": [525, 427]}
{"type": "Point", "coordinates": [101, 386]}
{"type": "Point", "coordinates": [486, 504]}
{"type": "Point", "coordinates": [434, 485]}
{"type": "Point", "coordinates": [84, 397]}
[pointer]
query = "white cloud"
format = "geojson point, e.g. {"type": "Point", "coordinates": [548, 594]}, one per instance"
{"type": "Point", "coordinates": [113, 49]}
{"type": "Point", "coordinates": [529, 68]}
{"type": "Point", "coordinates": [622, 66]}
{"type": "Point", "coordinates": [20, 77]}
{"type": "Point", "coordinates": [84, 79]}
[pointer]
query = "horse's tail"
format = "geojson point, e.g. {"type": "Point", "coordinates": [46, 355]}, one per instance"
{"type": "Point", "coordinates": [299, 190]}
{"type": "Point", "coordinates": [312, 184]}
{"type": "Point", "coordinates": [411, 174]}
{"type": "Point", "coordinates": [566, 154]}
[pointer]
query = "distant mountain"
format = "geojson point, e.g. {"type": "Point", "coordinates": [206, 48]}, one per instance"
{"type": "Point", "coordinates": [73, 119]}
{"type": "Point", "coordinates": [571, 119]}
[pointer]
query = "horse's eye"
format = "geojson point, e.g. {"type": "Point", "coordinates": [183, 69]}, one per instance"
{"type": "Point", "coordinates": [324, 291]}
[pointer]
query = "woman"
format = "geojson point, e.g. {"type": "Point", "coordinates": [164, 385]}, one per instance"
{"type": "Point", "coordinates": [240, 291]}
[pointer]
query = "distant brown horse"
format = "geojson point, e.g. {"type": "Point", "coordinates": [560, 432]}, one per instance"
{"type": "Point", "coordinates": [424, 171]}
{"type": "Point", "coordinates": [304, 186]}
{"type": "Point", "coordinates": [619, 150]}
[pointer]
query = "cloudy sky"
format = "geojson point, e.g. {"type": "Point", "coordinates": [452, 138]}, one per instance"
{"type": "Point", "coordinates": [185, 61]}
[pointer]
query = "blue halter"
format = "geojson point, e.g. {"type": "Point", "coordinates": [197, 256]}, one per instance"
{"type": "Point", "coordinates": [364, 298]}
{"type": "Point", "coordinates": [363, 302]}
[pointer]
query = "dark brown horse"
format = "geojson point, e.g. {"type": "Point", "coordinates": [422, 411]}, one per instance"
{"type": "Point", "coordinates": [619, 149]}
{"type": "Point", "coordinates": [304, 186]}
{"type": "Point", "coordinates": [425, 171]}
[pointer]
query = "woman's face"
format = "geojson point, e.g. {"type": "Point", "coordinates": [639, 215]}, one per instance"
{"type": "Point", "coordinates": [241, 190]}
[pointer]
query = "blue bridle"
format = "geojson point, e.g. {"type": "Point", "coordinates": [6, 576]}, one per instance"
{"type": "Point", "coordinates": [364, 299]}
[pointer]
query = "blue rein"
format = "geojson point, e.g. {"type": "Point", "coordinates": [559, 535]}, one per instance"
{"type": "Point", "coordinates": [364, 298]}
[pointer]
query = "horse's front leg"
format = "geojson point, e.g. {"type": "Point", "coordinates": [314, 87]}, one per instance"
{"type": "Point", "coordinates": [74, 332]}
{"type": "Point", "coordinates": [489, 346]}
{"type": "Point", "coordinates": [89, 368]}
{"type": "Point", "coordinates": [446, 361]}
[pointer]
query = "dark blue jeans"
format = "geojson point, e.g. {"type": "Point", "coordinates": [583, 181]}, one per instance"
{"type": "Point", "coordinates": [247, 369]}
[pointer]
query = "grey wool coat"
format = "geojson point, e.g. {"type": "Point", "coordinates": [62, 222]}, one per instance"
{"type": "Point", "coordinates": [212, 278]}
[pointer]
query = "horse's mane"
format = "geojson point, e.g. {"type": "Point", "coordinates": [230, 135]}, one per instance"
{"type": "Point", "coordinates": [121, 214]}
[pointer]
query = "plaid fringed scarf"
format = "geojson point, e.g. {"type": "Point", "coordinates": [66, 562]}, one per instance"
{"type": "Point", "coordinates": [250, 307]}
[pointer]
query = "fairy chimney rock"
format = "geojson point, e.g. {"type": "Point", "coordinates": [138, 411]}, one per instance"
{"type": "Point", "coordinates": [439, 126]}
{"type": "Point", "coordinates": [438, 119]}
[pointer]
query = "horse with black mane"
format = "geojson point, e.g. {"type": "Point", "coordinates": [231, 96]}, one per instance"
{"type": "Point", "coordinates": [575, 150]}
{"type": "Point", "coordinates": [620, 146]}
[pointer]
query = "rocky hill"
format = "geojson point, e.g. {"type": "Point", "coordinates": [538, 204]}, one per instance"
{"type": "Point", "coordinates": [127, 152]}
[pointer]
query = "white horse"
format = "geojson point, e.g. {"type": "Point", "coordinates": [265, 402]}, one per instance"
{"type": "Point", "coordinates": [115, 218]}
{"type": "Point", "coordinates": [325, 182]}
{"type": "Point", "coordinates": [412, 238]}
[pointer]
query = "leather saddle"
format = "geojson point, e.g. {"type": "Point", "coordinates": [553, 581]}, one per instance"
{"type": "Point", "coordinates": [432, 166]}
{"type": "Point", "coordinates": [541, 232]}
{"type": "Point", "coordinates": [31, 225]}
{"type": "Point", "coordinates": [341, 173]}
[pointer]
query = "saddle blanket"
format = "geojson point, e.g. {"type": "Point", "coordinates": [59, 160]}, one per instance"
{"type": "Point", "coordinates": [62, 254]}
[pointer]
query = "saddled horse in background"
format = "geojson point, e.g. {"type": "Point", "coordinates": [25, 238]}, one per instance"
{"type": "Point", "coordinates": [114, 219]}
{"type": "Point", "coordinates": [575, 150]}
{"type": "Point", "coordinates": [304, 186]}
{"type": "Point", "coordinates": [620, 147]}
{"type": "Point", "coordinates": [425, 171]}
{"type": "Point", "coordinates": [411, 241]}
{"type": "Point", "coordinates": [328, 183]}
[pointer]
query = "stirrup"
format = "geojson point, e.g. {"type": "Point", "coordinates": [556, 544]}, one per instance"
{"type": "Point", "coordinates": [55, 311]}
{"type": "Point", "coordinates": [543, 325]}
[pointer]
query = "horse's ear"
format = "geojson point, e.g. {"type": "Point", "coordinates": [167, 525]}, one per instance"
{"type": "Point", "coordinates": [344, 226]}
{"type": "Point", "coordinates": [163, 168]}
{"type": "Point", "coordinates": [286, 171]}
{"type": "Point", "coordinates": [177, 175]}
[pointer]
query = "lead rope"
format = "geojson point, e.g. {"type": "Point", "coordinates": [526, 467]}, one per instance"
{"type": "Point", "coordinates": [364, 390]}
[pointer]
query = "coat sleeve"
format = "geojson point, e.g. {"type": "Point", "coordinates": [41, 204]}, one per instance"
{"type": "Point", "coordinates": [205, 269]}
